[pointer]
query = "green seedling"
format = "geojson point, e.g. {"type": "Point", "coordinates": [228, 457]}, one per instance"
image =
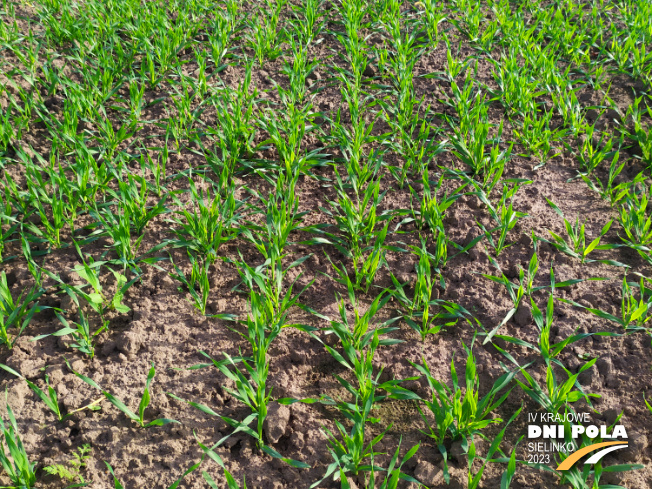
{"type": "Point", "coordinates": [46, 195]}
{"type": "Point", "coordinates": [508, 474]}
{"type": "Point", "coordinates": [365, 265]}
{"type": "Point", "coordinates": [34, 269]}
{"type": "Point", "coordinates": [524, 286]}
{"type": "Point", "coordinates": [432, 211]}
{"type": "Point", "coordinates": [361, 330]}
{"type": "Point", "coordinates": [358, 239]}
{"type": "Point", "coordinates": [635, 219]}
{"type": "Point", "coordinates": [223, 29]}
{"type": "Point", "coordinates": [556, 395]}
{"type": "Point", "coordinates": [308, 23]}
{"type": "Point", "coordinates": [8, 222]}
{"type": "Point", "coordinates": [281, 219]}
{"type": "Point", "coordinates": [277, 296]}
{"type": "Point", "coordinates": [144, 401]}
{"type": "Point", "coordinates": [545, 348]}
{"type": "Point", "coordinates": [353, 139]}
{"type": "Point", "coordinates": [647, 404]}
{"type": "Point", "coordinates": [16, 314]}
{"type": "Point", "coordinates": [132, 197]}
{"type": "Point", "coordinates": [287, 130]}
{"type": "Point", "coordinates": [487, 163]}
{"type": "Point", "coordinates": [634, 312]}
{"type": "Point", "coordinates": [230, 481]}
{"type": "Point", "coordinates": [433, 15]}
{"type": "Point", "coordinates": [19, 469]}
{"type": "Point", "coordinates": [609, 190]}
{"type": "Point", "coordinates": [641, 137]}
{"type": "Point", "coordinates": [252, 392]}
{"type": "Point", "coordinates": [251, 382]}
{"type": "Point", "coordinates": [407, 117]}
{"type": "Point", "coordinates": [394, 472]}
{"type": "Point", "coordinates": [419, 310]}
{"type": "Point", "coordinates": [50, 398]}
{"type": "Point", "coordinates": [535, 134]}
{"type": "Point", "coordinates": [74, 467]}
{"type": "Point", "coordinates": [118, 226]}
{"type": "Point", "coordinates": [576, 245]}
{"type": "Point", "coordinates": [473, 479]}
{"type": "Point", "coordinates": [210, 222]}
{"type": "Point", "coordinates": [516, 85]}
{"type": "Point", "coordinates": [16, 197]}
{"type": "Point", "coordinates": [197, 284]}
{"type": "Point", "coordinates": [593, 153]}
{"type": "Point", "coordinates": [349, 448]}
{"type": "Point", "coordinates": [158, 168]}
{"type": "Point", "coordinates": [503, 214]}
{"type": "Point", "coordinates": [99, 300]}
{"type": "Point", "coordinates": [567, 104]}
{"type": "Point", "coordinates": [457, 415]}
{"type": "Point", "coordinates": [297, 72]}
{"type": "Point", "coordinates": [265, 38]}
{"type": "Point", "coordinates": [235, 127]}
{"type": "Point", "coordinates": [261, 331]}
{"type": "Point", "coordinates": [83, 337]}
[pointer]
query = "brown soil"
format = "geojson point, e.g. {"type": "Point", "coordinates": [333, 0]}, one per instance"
{"type": "Point", "coordinates": [164, 328]}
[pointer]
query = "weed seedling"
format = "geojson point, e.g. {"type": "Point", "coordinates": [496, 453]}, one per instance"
{"type": "Point", "coordinates": [73, 470]}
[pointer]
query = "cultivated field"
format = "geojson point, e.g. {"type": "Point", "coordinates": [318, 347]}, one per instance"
{"type": "Point", "coordinates": [329, 244]}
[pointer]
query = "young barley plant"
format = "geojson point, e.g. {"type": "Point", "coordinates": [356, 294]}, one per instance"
{"type": "Point", "coordinates": [265, 35]}
{"type": "Point", "coordinates": [502, 213]}
{"type": "Point", "coordinates": [350, 449]}
{"type": "Point", "coordinates": [432, 210]}
{"type": "Point", "coordinates": [144, 401]}
{"type": "Point", "coordinates": [555, 395]}
{"type": "Point", "coordinates": [420, 310]}
{"type": "Point", "coordinates": [456, 414]}
{"type": "Point", "coordinates": [635, 219]}
{"type": "Point", "coordinates": [18, 468]}
{"type": "Point", "coordinates": [208, 222]}
{"type": "Point", "coordinates": [50, 398]}
{"type": "Point", "coordinates": [16, 314]}
{"type": "Point", "coordinates": [576, 245]}
{"type": "Point", "coordinates": [358, 239]}
{"type": "Point", "coordinates": [634, 311]}
{"type": "Point", "coordinates": [197, 283]}
{"type": "Point", "coordinates": [473, 479]}
{"type": "Point", "coordinates": [250, 381]}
